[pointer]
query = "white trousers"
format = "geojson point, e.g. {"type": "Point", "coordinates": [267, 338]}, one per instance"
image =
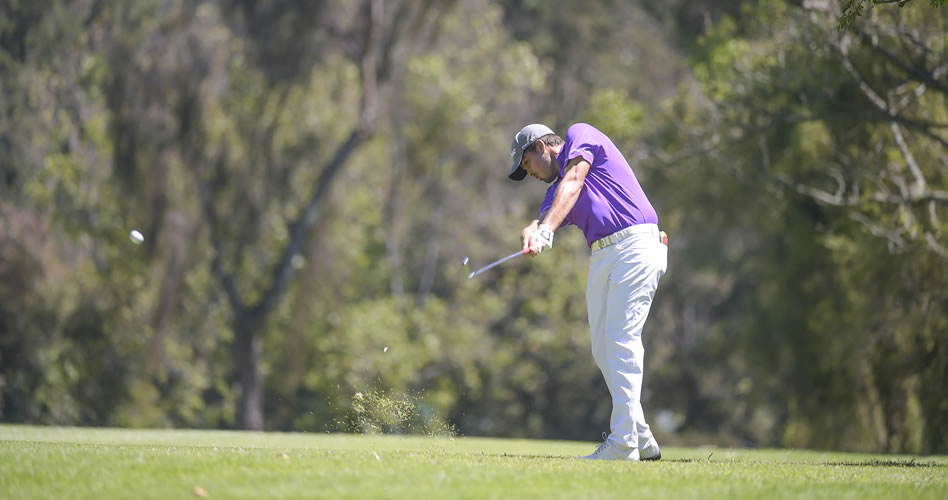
{"type": "Point", "coordinates": [622, 281]}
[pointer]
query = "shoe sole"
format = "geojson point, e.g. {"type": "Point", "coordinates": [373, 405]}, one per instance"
{"type": "Point", "coordinates": [652, 459]}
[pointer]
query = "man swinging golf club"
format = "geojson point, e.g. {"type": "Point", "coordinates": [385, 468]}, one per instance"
{"type": "Point", "coordinates": [594, 188]}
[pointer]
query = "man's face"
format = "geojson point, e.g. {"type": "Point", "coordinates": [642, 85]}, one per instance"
{"type": "Point", "coordinates": [540, 163]}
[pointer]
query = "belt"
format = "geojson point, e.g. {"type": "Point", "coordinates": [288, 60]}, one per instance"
{"type": "Point", "coordinates": [622, 234]}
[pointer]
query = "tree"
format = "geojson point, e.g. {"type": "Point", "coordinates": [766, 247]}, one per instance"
{"type": "Point", "coordinates": [852, 9]}
{"type": "Point", "coordinates": [374, 46]}
{"type": "Point", "coordinates": [814, 175]}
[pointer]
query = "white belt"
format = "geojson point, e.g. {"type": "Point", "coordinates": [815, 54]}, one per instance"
{"type": "Point", "coordinates": [622, 234]}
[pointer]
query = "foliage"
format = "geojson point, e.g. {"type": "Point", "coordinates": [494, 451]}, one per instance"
{"type": "Point", "coordinates": [308, 189]}
{"type": "Point", "coordinates": [852, 9]}
{"type": "Point", "coordinates": [775, 134]}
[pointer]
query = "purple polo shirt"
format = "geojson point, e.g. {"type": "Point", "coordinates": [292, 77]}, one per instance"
{"type": "Point", "coordinates": [611, 199]}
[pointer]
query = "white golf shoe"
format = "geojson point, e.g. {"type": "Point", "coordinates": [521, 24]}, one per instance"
{"type": "Point", "coordinates": [650, 451]}
{"type": "Point", "coordinates": [612, 451]}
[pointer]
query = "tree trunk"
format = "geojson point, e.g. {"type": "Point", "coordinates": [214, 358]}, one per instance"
{"type": "Point", "coordinates": [249, 319]}
{"type": "Point", "coordinates": [248, 346]}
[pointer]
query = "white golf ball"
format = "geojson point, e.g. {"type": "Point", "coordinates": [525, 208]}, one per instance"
{"type": "Point", "coordinates": [136, 237]}
{"type": "Point", "coordinates": [385, 349]}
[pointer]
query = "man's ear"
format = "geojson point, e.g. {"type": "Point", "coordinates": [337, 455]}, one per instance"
{"type": "Point", "coordinates": [541, 147]}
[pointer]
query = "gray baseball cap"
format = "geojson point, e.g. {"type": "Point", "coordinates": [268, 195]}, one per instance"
{"type": "Point", "coordinates": [526, 137]}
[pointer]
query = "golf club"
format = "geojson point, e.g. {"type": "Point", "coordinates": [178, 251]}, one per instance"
{"type": "Point", "coordinates": [492, 264]}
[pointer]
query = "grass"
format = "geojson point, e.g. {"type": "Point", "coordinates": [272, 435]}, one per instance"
{"type": "Point", "coordinates": [48, 462]}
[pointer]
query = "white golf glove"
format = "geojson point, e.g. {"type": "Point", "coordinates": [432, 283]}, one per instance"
{"type": "Point", "coordinates": [543, 237]}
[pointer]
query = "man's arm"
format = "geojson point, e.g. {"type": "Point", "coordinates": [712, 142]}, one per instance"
{"type": "Point", "coordinates": [566, 195]}
{"type": "Point", "coordinates": [567, 192]}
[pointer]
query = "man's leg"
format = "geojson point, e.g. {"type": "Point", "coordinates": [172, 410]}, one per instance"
{"type": "Point", "coordinates": [641, 427]}
{"type": "Point", "coordinates": [648, 446]}
{"type": "Point", "coordinates": [633, 282]}
{"type": "Point", "coordinates": [597, 292]}
{"type": "Point", "coordinates": [597, 288]}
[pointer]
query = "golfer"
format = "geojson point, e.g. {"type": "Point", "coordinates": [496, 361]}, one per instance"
{"type": "Point", "coordinates": [593, 188]}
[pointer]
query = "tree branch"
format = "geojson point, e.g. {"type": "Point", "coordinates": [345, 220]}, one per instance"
{"type": "Point", "coordinates": [935, 246]}
{"type": "Point", "coordinates": [894, 237]}
{"type": "Point", "coordinates": [919, 185]}
{"type": "Point", "coordinates": [299, 229]}
{"type": "Point", "coordinates": [867, 90]}
{"type": "Point", "coordinates": [912, 199]}
{"type": "Point", "coordinates": [924, 75]}
{"type": "Point", "coordinates": [836, 199]}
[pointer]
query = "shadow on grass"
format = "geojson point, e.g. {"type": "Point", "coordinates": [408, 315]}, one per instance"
{"type": "Point", "coordinates": [561, 457]}
{"type": "Point", "coordinates": [514, 455]}
{"type": "Point", "coordinates": [868, 463]}
{"type": "Point", "coordinates": [886, 463]}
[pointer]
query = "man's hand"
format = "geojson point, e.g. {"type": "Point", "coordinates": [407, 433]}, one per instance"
{"type": "Point", "coordinates": [526, 237]}
{"type": "Point", "coordinates": [543, 237]}
{"type": "Point", "coordinates": [536, 236]}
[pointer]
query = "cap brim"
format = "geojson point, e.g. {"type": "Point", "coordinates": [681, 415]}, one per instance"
{"type": "Point", "coordinates": [517, 173]}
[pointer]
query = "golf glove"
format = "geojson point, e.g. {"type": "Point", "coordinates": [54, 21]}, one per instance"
{"type": "Point", "coordinates": [544, 236]}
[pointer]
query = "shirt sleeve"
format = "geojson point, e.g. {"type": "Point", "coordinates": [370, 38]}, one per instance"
{"type": "Point", "coordinates": [580, 142]}
{"type": "Point", "coordinates": [584, 150]}
{"type": "Point", "coordinates": [548, 199]}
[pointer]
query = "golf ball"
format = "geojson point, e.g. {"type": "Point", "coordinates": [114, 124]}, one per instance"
{"type": "Point", "coordinates": [385, 349]}
{"type": "Point", "coordinates": [136, 237]}
{"type": "Point", "coordinates": [465, 261]}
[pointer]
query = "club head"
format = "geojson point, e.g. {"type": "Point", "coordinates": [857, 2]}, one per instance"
{"type": "Point", "coordinates": [467, 268]}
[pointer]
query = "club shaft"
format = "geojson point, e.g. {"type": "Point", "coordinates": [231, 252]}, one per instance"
{"type": "Point", "coordinates": [495, 264]}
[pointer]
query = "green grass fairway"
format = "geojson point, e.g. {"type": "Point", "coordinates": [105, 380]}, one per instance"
{"type": "Point", "coordinates": [46, 462]}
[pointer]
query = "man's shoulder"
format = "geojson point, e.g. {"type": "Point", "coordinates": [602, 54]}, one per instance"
{"type": "Point", "coordinates": [583, 130]}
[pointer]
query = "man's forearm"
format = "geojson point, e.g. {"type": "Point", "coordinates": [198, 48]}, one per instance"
{"type": "Point", "coordinates": [539, 233]}
{"type": "Point", "coordinates": [566, 193]}
{"type": "Point", "coordinates": [566, 196]}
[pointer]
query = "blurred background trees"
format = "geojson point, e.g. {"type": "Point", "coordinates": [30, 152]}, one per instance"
{"type": "Point", "coordinates": [309, 176]}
